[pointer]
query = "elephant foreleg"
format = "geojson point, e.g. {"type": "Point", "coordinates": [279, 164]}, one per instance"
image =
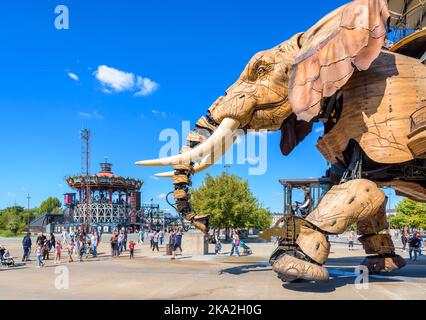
{"type": "Point", "coordinates": [379, 244]}
{"type": "Point", "coordinates": [353, 202]}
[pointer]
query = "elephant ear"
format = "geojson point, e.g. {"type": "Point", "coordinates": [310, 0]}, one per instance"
{"type": "Point", "coordinates": [348, 38]}
{"type": "Point", "coordinates": [293, 132]}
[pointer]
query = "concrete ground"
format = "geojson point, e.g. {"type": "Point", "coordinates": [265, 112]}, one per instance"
{"type": "Point", "coordinates": [155, 276]}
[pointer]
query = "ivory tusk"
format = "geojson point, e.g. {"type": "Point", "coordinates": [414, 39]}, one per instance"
{"type": "Point", "coordinates": [204, 164]}
{"type": "Point", "coordinates": [223, 133]}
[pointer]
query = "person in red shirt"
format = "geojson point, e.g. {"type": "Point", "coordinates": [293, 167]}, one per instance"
{"type": "Point", "coordinates": [132, 249]}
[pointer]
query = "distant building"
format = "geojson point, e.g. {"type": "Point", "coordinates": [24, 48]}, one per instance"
{"type": "Point", "coordinates": [390, 212]}
{"type": "Point", "coordinates": [103, 200]}
{"type": "Point", "coordinates": [46, 222]}
{"type": "Point", "coordinates": [276, 216]}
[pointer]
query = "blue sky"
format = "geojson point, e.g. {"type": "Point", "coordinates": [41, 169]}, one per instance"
{"type": "Point", "coordinates": [181, 56]}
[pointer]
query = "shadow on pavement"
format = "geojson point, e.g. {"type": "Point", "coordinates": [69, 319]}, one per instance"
{"type": "Point", "coordinates": [342, 272]}
{"type": "Point", "coordinates": [247, 268]}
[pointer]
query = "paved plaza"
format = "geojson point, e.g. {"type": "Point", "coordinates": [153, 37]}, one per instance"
{"type": "Point", "coordinates": [155, 276]}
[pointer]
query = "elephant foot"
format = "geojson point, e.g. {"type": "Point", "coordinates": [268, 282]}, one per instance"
{"type": "Point", "coordinates": [290, 269]}
{"type": "Point", "coordinates": [384, 263]}
{"type": "Point", "coordinates": [201, 222]}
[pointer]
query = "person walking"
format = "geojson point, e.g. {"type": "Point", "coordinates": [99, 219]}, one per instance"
{"type": "Point", "coordinates": [94, 244]}
{"type": "Point", "coordinates": [141, 235]}
{"type": "Point", "coordinates": [132, 246]}
{"type": "Point", "coordinates": [26, 244]}
{"type": "Point", "coordinates": [114, 245]}
{"type": "Point", "coordinates": [58, 251]}
{"type": "Point", "coordinates": [70, 252]}
{"type": "Point", "coordinates": [235, 244]}
{"type": "Point", "coordinates": [124, 239]}
{"type": "Point", "coordinates": [404, 240]}
{"type": "Point", "coordinates": [150, 238]}
{"type": "Point", "coordinates": [155, 240]}
{"type": "Point", "coordinates": [177, 242]}
{"type": "Point", "coordinates": [161, 236]}
{"type": "Point", "coordinates": [167, 240]}
{"type": "Point", "coordinates": [414, 244]}
{"type": "Point", "coordinates": [172, 241]}
{"type": "Point", "coordinates": [41, 239]}
{"type": "Point", "coordinates": [45, 248]}
{"type": "Point", "coordinates": [218, 247]}
{"type": "Point", "coordinates": [352, 237]}
{"type": "Point", "coordinates": [120, 242]}
{"type": "Point", "coordinates": [52, 242]}
{"type": "Point", "coordinates": [421, 244]}
{"type": "Point", "coordinates": [64, 235]}
{"type": "Point", "coordinates": [72, 235]}
{"type": "Point", "coordinates": [39, 253]}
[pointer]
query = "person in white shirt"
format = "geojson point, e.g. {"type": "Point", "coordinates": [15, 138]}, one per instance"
{"type": "Point", "coordinates": [94, 244]}
{"type": "Point", "coordinates": [64, 237]}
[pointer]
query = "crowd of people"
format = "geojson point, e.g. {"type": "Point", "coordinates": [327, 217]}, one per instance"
{"type": "Point", "coordinates": [80, 245]}
{"type": "Point", "coordinates": [77, 243]}
{"type": "Point", "coordinates": [411, 239]}
{"type": "Point", "coordinates": [414, 240]}
{"type": "Point", "coordinates": [170, 237]}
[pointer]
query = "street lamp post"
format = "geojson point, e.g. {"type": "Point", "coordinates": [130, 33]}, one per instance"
{"type": "Point", "coordinates": [28, 198]}
{"type": "Point", "coordinates": [226, 168]}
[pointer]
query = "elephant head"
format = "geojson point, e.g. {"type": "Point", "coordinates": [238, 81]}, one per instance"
{"type": "Point", "coordinates": [284, 87]}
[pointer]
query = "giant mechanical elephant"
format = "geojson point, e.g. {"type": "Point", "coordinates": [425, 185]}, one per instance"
{"type": "Point", "coordinates": [338, 72]}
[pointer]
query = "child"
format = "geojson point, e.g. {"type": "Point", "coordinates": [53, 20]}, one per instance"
{"type": "Point", "coordinates": [70, 252]}
{"type": "Point", "coordinates": [7, 257]}
{"type": "Point", "coordinates": [58, 250]}
{"type": "Point", "coordinates": [39, 252]}
{"type": "Point", "coordinates": [218, 247]}
{"type": "Point", "coordinates": [45, 250]}
{"type": "Point", "coordinates": [79, 250]}
{"type": "Point", "coordinates": [132, 249]}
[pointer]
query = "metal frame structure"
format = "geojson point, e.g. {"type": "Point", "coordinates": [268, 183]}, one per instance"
{"type": "Point", "coordinates": [407, 16]}
{"type": "Point", "coordinates": [316, 188]}
{"type": "Point", "coordinates": [103, 198]}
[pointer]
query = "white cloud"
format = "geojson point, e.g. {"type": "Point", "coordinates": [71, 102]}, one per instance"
{"type": "Point", "coordinates": [73, 76]}
{"type": "Point", "coordinates": [252, 161]}
{"type": "Point", "coordinates": [145, 86]}
{"type": "Point", "coordinates": [319, 130]}
{"type": "Point", "coordinates": [91, 115]}
{"type": "Point", "coordinates": [10, 194]}
{"type": "Point", "coordinates": [114, 81]}
{"type": "Point", "coordinates": [161, 196]}
{"type": "Point", "coordinates": [159, 113]}
{"type": "Point", "coordinates": [60, 185]}
{"type": "Point", "coordinates": [154, 178]}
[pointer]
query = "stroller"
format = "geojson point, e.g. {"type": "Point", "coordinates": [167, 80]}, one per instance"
{"type": "Point", "coordinates": [5, 258]}
{"type": "Point", "coordinates": [247, 249]}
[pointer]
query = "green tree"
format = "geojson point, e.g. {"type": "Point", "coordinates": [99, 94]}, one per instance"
{"type": "Point", "coordinates": [50, 205]}
{"type": "Point", "coordinates": [230, 203]}
{"type": "Point", "coordinates": [15, 219]}
{"type": "Point", "coordinates": [409, 213]}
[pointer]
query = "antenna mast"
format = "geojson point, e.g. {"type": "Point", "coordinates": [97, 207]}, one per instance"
{"type": "Point", "coordinates": [85, 171]}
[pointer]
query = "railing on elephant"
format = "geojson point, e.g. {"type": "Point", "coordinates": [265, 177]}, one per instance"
{"type": "Point", "coordinates": [417, 137]}
{"type": "Point", "coordinates": [418, 119]}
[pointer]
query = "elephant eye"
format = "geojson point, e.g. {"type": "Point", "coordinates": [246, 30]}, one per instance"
{"type": "Point", "coordinates": [261, 70]}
